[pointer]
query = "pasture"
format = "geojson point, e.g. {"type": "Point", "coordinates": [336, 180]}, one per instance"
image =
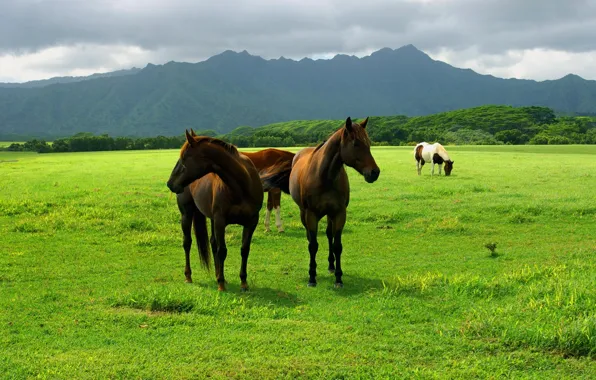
{"type": "Point", "coordinates": [92, 274]}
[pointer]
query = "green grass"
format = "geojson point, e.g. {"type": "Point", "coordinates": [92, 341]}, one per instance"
{"type": "Point", "coordinates": [92, 274]}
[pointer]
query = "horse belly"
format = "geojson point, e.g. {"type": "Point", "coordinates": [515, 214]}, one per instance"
{"type": "Point", "coordinates": [329, 203]}
{"type": "Point", "coordinates": [427, 156]}
{"type": "Point", "coordinates": [242, 214]}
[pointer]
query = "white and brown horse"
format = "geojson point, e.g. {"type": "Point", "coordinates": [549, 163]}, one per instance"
{"type": "Point", "coordinates": [435, 154]}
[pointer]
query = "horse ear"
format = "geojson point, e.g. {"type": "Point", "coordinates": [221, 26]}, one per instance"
{"type": "Point", "coordinates": [363, 124]}
{"type": "Point", "coordinates": [349, 124]}
{"type": "Point", "coordinates": [191, 140]}
{"type": "Point", "coordinates": [192, 133]}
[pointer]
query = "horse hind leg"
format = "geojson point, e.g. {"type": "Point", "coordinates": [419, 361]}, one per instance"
{"type": "Point", "coordinates": [268, 212]}
{"type": "Point", "coordinates": [247, 234]}
{"type": "Point", "coordinates": [329, 233]}
{"type": "Point", "coordinates": [276, 201]}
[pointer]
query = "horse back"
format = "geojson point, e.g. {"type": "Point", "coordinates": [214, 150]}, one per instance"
{"type": "Point", "coordinates": [267, 157]}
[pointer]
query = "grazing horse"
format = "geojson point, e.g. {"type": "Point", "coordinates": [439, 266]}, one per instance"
{"type": "Point", "coordinates": [262, 160]}
{"type": "Point", "coordinates": [318, 183]}
{"type": "Point", "coordinates": [212, 179]}
{"type": "Point", "coordinates": [434, 153]}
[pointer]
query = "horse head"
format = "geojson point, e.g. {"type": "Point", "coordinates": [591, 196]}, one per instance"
{"type": "Point", "coordinates": [448, 167]}
{"type": "Point", "coordinates": [355, 150]}
{"type": "Point", "coordinates": [190, 166]}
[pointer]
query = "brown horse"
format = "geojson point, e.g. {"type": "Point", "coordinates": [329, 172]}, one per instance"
{"type": "Point", "coordinates": [262, 160]}
{"type": "Point", "coordinates": [212, 179]}
{"type": "Point", "coordinates": [318, 183]}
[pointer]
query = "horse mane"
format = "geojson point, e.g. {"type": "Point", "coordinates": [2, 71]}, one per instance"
{"type": "Point", "coordinates": [205, 139]}
{"type": "Point", "coordinates": [358, 133]}
{"type": "Point", "coordinates": [321, 144]}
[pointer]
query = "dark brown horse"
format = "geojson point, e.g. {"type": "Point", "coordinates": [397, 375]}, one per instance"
{"type": "Point", "coordinates": [264, 159]}
{"type": "Point", "coordinates": [318, 183]}
{"type": "Point", "coordinates": [212, 179]}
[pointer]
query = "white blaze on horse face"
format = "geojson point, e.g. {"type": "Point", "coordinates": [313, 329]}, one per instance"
{"type": "Point", "coordinates": [278, 219]}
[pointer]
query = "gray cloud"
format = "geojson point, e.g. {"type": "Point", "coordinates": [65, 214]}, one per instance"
{"type": "Point", "coordinates": [194, 30]}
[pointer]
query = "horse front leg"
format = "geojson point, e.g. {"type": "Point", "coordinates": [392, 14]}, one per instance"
{"type": "Point", "coordinates": [311, 223]}
{"type": "Point", "coordinates": [440, 167]}
{"type": "Point", "coordinates": [213, 242]}
{"type": "Point", "coordinates": [222, 251]}
{"type": "Point", "coordinates": [432, 170]}
{"type": "Point", "coordinates": [247, 233]}
{"type": "Point", "coordinates": [338, 224]}
{"type": "Point", "coordinates": [329, 233]}
{"type": "Point", "coordinates": [186, 223]}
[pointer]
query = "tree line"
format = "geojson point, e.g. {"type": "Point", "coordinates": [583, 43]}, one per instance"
{"type": "Point", "coordinates": [486, 125]}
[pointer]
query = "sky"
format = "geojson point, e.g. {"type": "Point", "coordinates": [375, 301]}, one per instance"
{"type": "Point", "coordinates": [530, 39]}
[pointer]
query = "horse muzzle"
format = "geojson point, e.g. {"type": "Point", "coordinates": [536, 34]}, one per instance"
{"type": "Point", "coordinates": [372, 175]}
{"type": "Point", "coordinates": [175, 188]}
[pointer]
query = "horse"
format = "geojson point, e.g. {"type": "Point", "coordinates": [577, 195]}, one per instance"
{"type": "Point", "coordinates": [434, 153]}
{"type": "Point", "coordinates": [262, 160]}
{"type": "Point", "coordinates": [318, 183]}
{"type": "Point", "coordinates": [212, 179]}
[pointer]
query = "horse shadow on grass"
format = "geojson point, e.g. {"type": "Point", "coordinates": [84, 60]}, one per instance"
{"type": "Point", "coordinates": [257, 295]}
{"type": "Point", "coordinates": [265, 296]}
{"type": "Point", "coordinates": [353, 285]}
{"type": "Point", "coordinates": [300, 233]}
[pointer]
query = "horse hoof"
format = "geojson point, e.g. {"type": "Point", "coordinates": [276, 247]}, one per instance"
{"type": "Point", "coordinates": [312, 284]}
{"type": "Point", "coordinates": [331, 271]}
{"type": "Point", "coordinates": [244, 289]}
{"type": "Point", "coordinates": [188, 280]}
{"type": "Point", "coordinates": [339, 285]}
{"type": "Point", "coordinates": [221, 288]}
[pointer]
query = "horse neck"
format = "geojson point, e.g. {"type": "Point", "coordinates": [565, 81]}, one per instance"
{"type": "Point", "coordinates": [229, 168]}
{"type": "Point", "coordinates": [329, 155]}
{"type": "Point", "coordinates": [442, 152]}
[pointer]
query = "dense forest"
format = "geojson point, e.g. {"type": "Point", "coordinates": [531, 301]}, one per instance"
{"type": "Point", "coordinates": [486, 125]}
{"type": "Point", "coordinates": [238, 89]}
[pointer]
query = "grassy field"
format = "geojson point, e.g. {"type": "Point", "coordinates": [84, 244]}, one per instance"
{"type": "Point", "coordinates": [92, 274]}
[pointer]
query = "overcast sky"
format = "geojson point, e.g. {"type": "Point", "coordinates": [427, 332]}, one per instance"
{"type": "Point", "coordinates": [534, 39]}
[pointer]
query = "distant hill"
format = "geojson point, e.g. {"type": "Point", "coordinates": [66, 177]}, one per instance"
{"type": "Point", "coordinates": [237, 89]}
{"type": "Point", "coordinates": [55, 80]}
{"type": "Point", "coordinates": [477, 125]}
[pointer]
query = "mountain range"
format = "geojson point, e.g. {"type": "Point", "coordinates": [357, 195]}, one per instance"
{"type": "Point", "coordinates": [235, 89]}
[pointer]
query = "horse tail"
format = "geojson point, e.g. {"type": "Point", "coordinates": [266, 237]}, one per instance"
{"type": "Point", "coordinates": [200, 226]}
{"type": "Point", "coordinates": [277, 176]}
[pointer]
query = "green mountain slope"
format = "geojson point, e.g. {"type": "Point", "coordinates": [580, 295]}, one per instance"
{"type": "Point", "coordinates": [237, 89]}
